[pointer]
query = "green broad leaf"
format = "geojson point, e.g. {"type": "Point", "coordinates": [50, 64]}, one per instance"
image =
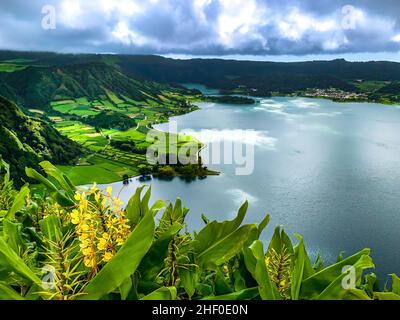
{"type": "Point", "coordinates": [12, 235]}
{"type": "Point", "coordinates": [153, 261]}
{"type": "Point", "coordinates": [56, 194]}
{"type": "Point", "coordinates": [255, 262]}
{"type": "Point", "coordinates": [125, 288]}
{"type": "Point", "coordinates": [317, 283]}
{"type": "Point", "coordinates": [11, 262]}
{"type": "Point", "coordinates": [218, 242]}
{"type": "Point", "coordinates": [224, 249]}
{"type": "Point", "coordinates": [158, 206]}
{"type": "Point", "coordinates": [370, 284]}
{"type": "Point", "coordinates": [6, 167]}
{"type": "Point", "coordinates": [134, 209]}
{"type": "Point", "coordinates": [189, 280]}
{"type": "Point", "coordinates": [144, 203]}
{"type": "Point", "coordinates": [8, 293]}
{"type": "Point", "coordinates": [356, 294]}
{"type": "Point", "coordinates": [263, 224]}
{"type": "Point", "coordinates": [162, 294]}
{"type": "Point", "coordinates": [60, 177]}
{"type": "Point", "coordinates": [221, 285]}
{"type": "Point", "coordinates": [386, 296]}
{"type": "Point", "coordinates": [18, 203]}
{"type": "Point", "coordinates": [302, 268]}
{"type": "Point", "coordinates": [179, 213]}
{"type": "Point", "coordinates": [124, 263]}
{"type": "Point", "coordinates": [336, 290]}
{"type": "Point", "coordinates": [246, 294]}
{"type": "Point", "coordinates": [395, 284]}
{"type": "Point", "coordinates": [215, 231]}
{"type": "Point", "coordinates": [128, 289]}
{"type": "Point", "coordinates": [33, 174]}
{"type": "Point", "coordinates": [147, 287]}
{"type": "Point", "coordinates": [51, 228]}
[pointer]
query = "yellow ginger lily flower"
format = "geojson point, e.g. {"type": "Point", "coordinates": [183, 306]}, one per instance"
{"type": "Point", "coordinates": [120, 241]}
{"type": "Point", "coordinates": [107, 256]}
{"type": "Point", "coordinates": [93, 189]}
{"type": "Point", "coordinates": [103, 244]}
{"type": "Point", "coordinates": [90, 262]}
{"type": "Point", "coordinates": [97, 196]}
{"type": "Point", "coordinates": [109, 191]}
{"type": "Point", "coordinates": [101, 226]}
{"type": "Point", "coordinates": [75, 217]}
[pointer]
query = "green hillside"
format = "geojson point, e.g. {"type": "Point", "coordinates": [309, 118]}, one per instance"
{"type": "Point", "coordinates": [25, 141]}
{"type": "Point", "coordinates": [38, 86]}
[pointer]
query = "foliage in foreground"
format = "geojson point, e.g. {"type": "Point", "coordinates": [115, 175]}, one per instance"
{"type": "Point", "coordinates": [71, 245]}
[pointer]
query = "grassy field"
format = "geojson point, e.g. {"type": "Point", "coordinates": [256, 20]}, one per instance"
{"type": "Point", "coordinates": [11, 67]}
{"type": "Point", "coordinates": [14, 65]}
{"type": "Point", "coordinates": [99, 169]}
{"type": "Point", "coordinates": [105, 164]}
{"type": "Point", "coordinates": [369, 86]}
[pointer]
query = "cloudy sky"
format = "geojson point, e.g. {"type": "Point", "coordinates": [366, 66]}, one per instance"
{"type": "Point", "coordinates": [251, 29]}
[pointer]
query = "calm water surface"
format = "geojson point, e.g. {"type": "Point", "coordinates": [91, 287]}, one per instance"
{"type": "Point", "coordinates": [329, 171]}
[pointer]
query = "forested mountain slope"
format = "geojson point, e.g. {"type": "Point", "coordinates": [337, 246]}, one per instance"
{"type": "Point", "coordinates": [36, 86]}
{"type": "Point", "coordinates": [26, 141]}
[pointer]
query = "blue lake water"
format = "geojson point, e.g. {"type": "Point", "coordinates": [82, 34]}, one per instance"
{"type": "Point", "coordinates": [328, 171]}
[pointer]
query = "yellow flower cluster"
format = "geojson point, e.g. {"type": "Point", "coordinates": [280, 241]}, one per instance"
{"type": "Point", "coordinates": [52, 209]}
{"type": "Point", "coordinates": [101, 225]}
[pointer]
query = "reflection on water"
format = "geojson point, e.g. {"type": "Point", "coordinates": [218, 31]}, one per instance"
{"type": "Point", "coordinates": [332, 174]}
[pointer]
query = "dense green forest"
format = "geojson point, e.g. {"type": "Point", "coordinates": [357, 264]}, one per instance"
{"type": "Point", "coordinates": [110, 120]}
{"type": "Point", "coordinates": [231, 99]}
{"type": "Point", "coordinates": [26, 141]}
{"type": "Point", "coordinates": [70, 244]}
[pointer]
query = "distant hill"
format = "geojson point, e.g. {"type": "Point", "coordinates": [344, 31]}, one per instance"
{"type": "Point", "coordinates": [228, 74]}
{"type": "Point", "coordinates": [38, 85]}
{"type": "Point", "coordinates": [26, 141]}
{"type": "Point", "coordinates": [263, 76]}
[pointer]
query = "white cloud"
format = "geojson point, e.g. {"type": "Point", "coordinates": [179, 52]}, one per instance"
{"type": "Point", "coordinates": [396, 38]}
{"type": "Point", "coordinates": [238, 22]}
{"type": "Point", "coordinates": [122, 7]}
{"type": "Point", "coordinates": [297, 23]}
{"type": "Point", "coordinates": [206, 27]}
{"type": "Point", "coordinates": [128, 36]}
{"type": "Point", "coordinates": [71, 13]}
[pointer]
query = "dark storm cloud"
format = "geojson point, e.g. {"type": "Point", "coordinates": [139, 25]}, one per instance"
{"type": "Point", "coordinates": [204, 27]}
